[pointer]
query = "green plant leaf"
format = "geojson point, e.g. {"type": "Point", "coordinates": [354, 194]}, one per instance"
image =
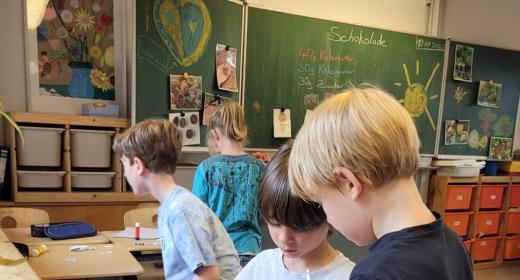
{"type": "Point", "coordinates": [12, 122]}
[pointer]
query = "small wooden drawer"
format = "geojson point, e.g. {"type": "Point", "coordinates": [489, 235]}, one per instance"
{"type": "Point", "coordinates": [458, 197]}
{"type": "Point", "coordinates": [512, 250]}
{"type": "Point", "coordinates": [484, 249]}
{"type": "Point", "coordinates": [513, 222]}
{"type": "Point", "coordinates": [458, 222]}
{"type": "Point", "coordinates": [514, 196]}
{"type": "Point", "coordinates": [488, 222]}
{"type": "Point", "coordinates": [491, 197]}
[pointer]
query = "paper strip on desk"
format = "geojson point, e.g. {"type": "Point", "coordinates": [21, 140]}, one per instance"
{"type": "Point", "coordinates": [145, 233]}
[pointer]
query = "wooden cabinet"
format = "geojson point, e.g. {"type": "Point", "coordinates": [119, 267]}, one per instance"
{"type": "Point", "coordinates": [478, 209]}
{"type": "Point", "coordinates": [68, 192]}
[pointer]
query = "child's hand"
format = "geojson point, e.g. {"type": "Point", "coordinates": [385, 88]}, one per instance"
{"type": "Point", "coordinates": [261, 156]}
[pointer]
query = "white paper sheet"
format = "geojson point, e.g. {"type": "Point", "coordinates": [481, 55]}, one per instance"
{"type": "Point", "coordinates": [145, 233]}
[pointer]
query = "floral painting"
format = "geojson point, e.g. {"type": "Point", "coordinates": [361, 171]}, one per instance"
{"type": "Point", "coordinates": [76, 49]}
{"type": "Point", "coordinates": [489, 94]}
{"type": "Point", "coordinates": [500, 148]}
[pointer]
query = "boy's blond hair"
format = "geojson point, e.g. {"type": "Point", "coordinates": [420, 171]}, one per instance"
{"type": "Point", "coordinates": [230, 120]}
{"type": "Point", "coordinates": [363, 129]}
{"type": "Point", "coordinates": [157, 142]}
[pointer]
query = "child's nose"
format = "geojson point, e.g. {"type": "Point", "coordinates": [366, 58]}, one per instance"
{"type": "Point", "coordinates": [286, 235]}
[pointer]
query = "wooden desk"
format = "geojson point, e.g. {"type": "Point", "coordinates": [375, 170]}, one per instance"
{"type": "Point", "coordinates": [130, 243]}
{"type": "Point", "coordinates": [106, 260]}
{"type": "Point", "coordinates": [19, 271]}
{"type": "Point", "coordinates": [23, 235]}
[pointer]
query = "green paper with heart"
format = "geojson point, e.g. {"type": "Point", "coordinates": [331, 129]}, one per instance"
{"type": "Point", "coordinates": [184, 27]}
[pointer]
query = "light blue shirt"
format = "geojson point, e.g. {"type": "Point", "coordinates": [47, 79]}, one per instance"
{"type": "Point", "coordinates": [193, 237]}
{"type": "Point", "coordinates": [229, 186]}
{"type": "Point", "coordinates": [269, 265]}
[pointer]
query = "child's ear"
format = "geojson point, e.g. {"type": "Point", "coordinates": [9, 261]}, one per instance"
{"type": "Point", "coordinates": [215, 134]}
{"type": "Point", "coordinates": [141, 167]}
{"type": "Point", "coordinates": [349, 182]}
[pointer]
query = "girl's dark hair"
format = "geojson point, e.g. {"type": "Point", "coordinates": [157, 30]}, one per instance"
{"type": "Point", "coordinates": [278, 205]}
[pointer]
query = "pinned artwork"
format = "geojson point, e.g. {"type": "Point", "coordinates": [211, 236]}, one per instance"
{"type": "Point", "coordinates": [188, 124]}
{"type": "Point", "coordinates": [282, 123]}
{"type": "Point", "coordinates": [211, 102]}
{"type": "Point", "coordinates": [462, 70]}
{"type": "Point", "coordinates": [500, 148]}
{"type": "Point", "coordinates": [456, 132]}
{"type": "Point", "coordinates": [311, 101]}
{"type": "Point", "coordinates": [489, 94]}
{"type": "Point", "coordinates": [226, 68]}
{"type": "Point", "coordinates": [185, 92]}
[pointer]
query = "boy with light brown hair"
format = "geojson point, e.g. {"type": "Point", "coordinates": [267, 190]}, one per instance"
{"type": "Point", "coordinates": [357, 155]}
{"type": "Point", "coordinates": [194, 243]}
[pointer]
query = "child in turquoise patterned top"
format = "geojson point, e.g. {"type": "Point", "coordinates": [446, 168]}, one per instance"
{"type": "Point", "coordinates": [228, 181]}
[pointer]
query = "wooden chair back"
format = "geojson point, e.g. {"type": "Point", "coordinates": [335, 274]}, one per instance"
{"type": "Point", "coordinates": [19, 217]}
{"type": "Point", "coordinates": [146, 216]}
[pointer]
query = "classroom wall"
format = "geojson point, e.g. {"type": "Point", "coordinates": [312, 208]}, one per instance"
{"type": "Point", "coordinates": [492, 23]}
{"type": "Point", "coordinates": [399, 15]}
{"type": "Point", "coordinates": [12, 59]}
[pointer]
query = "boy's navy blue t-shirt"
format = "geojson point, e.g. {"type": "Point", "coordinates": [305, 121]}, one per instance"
{"type": "Point", "coordinates": [431, 251]}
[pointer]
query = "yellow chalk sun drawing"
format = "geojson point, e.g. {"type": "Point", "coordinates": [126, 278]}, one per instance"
{"type": "Point", "coordinates": [416, 95]}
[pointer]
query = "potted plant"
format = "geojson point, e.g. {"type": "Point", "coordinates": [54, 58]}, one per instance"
{"type": "Point", "coordinates": [10, 121]}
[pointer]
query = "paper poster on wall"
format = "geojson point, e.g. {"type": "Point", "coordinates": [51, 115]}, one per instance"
{"type": "Point", "coordinates": [185, 92]}
{"type": "Point", "coordinates": [211, 102]}
{"type": "Point", "coordinates": [500, 148]}
{"type": "Point", "coordinates": [489, 94]}
{"type": "Point", "coordinates": [282, 123]}
{"type": "Point", "coordinates": [462, 70]}
{"type": "Point", "coordinates": [456, 132]}
{"type": "Point", "coordinates": [188, 124]}
{"type": "Point", "coordinates": [226, 68]}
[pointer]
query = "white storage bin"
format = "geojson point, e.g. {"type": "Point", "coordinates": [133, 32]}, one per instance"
{"type": "Point", "coordinates": [459, 171]}
{"type": "Point", "coordinates": [91, 180]}
{"type": "Point", "coordinates": [40, 179]}
{"type": "Point", "coordinates": [91, 148]}
{"type": "Point", "coordinates": [42, 146]}
{"type": "Point", "coordinates": [458, 168]}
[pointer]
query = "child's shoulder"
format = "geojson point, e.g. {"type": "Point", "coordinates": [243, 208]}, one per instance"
{"type": "Point", "coordinates": [269, 254]}
{"type": "Point", "coordinates": [227, 159]}
{"type": "Point", "coordinates": [181, 200]}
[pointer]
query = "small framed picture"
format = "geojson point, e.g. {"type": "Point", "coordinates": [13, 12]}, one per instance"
{"type": "Point", "coordinates": [463, 68]}
{"type": "Point", "coordinates": [456, 132]}
{"type": "Point", "coordinates": [500, 148]}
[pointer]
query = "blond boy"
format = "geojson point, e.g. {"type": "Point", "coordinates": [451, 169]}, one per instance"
{"type": "Point", "coordinates": [194, 243]}
{"type": "Point", "coordinates": [357, 156]}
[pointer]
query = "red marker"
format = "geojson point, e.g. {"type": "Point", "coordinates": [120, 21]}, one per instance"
{"type": "Point", "coordinates": [137, 231]}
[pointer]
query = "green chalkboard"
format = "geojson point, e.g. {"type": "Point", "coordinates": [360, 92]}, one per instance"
{"type": "Point", "coordinates": [203, 24]}
{"type": "Point", "coordinates": [460, 99]}
{"type": "Point", "coordinates": [294, 60]}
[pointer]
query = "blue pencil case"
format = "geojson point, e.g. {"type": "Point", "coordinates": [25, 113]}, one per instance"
{"type": "Point", "coordinates": [69, 230]}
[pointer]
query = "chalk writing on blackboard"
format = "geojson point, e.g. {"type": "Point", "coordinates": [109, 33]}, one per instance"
{"type": "Point", "coordinates": [428, 43]}
{"type": "Point", "coordinates": [356, 37]}
{"type": "Point", "coordinates": [152, 53]}
{"type": "Point", "coordinates": [323, 69]}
